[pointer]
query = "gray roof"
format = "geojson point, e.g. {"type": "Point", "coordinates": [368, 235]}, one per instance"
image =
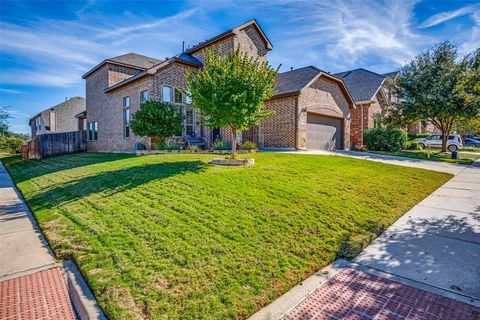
{"type": "Point", "coordinates": [296, 80]}
{"type": "Point", "coordinates": [362, 84]}
{"type": "Point", "coordinates": [392, 74]}
{"type": "Point", "coordinates": [189, 59]}
{"type": "Point", "coordinates": [135, 59]}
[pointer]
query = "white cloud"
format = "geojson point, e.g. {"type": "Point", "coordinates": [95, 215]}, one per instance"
{"type": "Point", "coordinates": [11, 91]}
{"type": "Point", "coordinates": [445, 16]}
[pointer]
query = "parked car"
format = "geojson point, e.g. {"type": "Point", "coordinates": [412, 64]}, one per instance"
{"type": "Point", "coordinates": [470, 136]}
{"type": "Point", "coordinates": [472, 143]}
{"type": "Point", "coordinates": [454, 142]}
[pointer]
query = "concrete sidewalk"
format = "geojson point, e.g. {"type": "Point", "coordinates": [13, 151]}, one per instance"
{"type": "Point", "coordinates": [22, 245]}
{"type": "Point", "coordinates": [438, 241]}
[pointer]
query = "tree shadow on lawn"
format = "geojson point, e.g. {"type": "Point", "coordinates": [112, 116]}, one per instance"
{"type": "Point", "coordinates": [112, 182]}
{"type": "Point", "coordinates": [30, 169]}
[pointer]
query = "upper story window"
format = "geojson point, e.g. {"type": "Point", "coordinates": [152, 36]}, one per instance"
{"type": "Point", "coordinates": [126, 102]}
{"type": "Point", "coordinates": [178, 96]}
{"type": "Point", "coordinates": [92, 131]}
{"type": "Point", "coordinates": [38, 124]}
{"type": "Point", "coordinates": [143, 96]}
{"type": "Point", "coordinates": [166, 94]}
{"type": "Point", "coordinates": [188, 99]}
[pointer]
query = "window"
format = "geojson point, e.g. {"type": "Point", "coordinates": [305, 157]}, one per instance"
{"type": "Point", "coordinates": [178, 96]}
{"type": "Point", "coordinates": [126, 117]}
{"type": "Point", "coordinates": [92, 131]}
{"type": "Point", "coordinates": [126, 102]}
{"type": "Point", "coordinates": [166, 94]}
{"type": "Point", "coordinates": [189, 122]}
{"type": "Point", "coordinates": [377, 121]}
{"type": "Point", "coordinates": [143, 96]}
{"type": "Point", "coordinates": [38, 124]}
{"type": "Point", "coordinates": [126, 122]}
{"type": "Point", "coordinates": [188, 99]}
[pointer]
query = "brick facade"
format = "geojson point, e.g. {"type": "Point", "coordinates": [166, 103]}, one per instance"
{"type": "Point", "coordinates": [280, 129]}
{"type": "Point", "coordinates": [363, 118]}
{"type": "Point", "coordinates": [107, 110]}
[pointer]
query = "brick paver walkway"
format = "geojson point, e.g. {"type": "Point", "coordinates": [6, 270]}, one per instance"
{"type": "Point", "coordinates": [42, 295]}
{"type": "Point", "coordinates": [353, 294]}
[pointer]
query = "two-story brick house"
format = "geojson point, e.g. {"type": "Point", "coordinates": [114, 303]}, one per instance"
{"type": "Point", "coordinates": [116, 87]}
{"type": "Point", "coordinates": [63, 117]}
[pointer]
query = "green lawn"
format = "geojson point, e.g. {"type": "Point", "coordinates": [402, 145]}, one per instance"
{"type": "Point", "coordinates": [435, 155]}
{"type": "Point", "coordinates": [169, 236]}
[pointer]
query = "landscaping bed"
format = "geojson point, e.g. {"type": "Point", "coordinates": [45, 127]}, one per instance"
{"type": "Point", "coordinates": [434, 155]}
{"type": "Point", "coordinates": [170, 236]}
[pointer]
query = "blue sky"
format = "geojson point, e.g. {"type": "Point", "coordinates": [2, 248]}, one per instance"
{"type": "Point", "coordinates": [45, 47]}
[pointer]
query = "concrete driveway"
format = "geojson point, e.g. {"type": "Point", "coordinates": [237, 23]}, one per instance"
{"type": "Point", "coordinates": [438, 241]}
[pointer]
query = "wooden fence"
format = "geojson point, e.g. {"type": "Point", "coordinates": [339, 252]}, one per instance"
{"type": "Point", "coordinates": [55, 144]}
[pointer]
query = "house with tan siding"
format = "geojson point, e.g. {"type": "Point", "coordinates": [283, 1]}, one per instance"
{"type": "Point", "coordinates": [63, 117]}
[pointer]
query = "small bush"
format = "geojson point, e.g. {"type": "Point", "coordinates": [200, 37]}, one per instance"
{"type": "Point", "coordinates": [413, 136]}
{"type": "Point", "coordinates": [412, 145]}
{"type": "Point", "coordinates": [193, 148]}
{"type": "Point", "coordinates": [384, 139]}
{"type": "Point", "coordinates": [220, 144]}
{"type": "Point", "coordinates": [172, 146]}
{"type": "Point", "coordinates": [248, 145]}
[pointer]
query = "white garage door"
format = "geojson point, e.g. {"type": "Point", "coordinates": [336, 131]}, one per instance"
{"type": "Point", "coordinates": [323, 133]}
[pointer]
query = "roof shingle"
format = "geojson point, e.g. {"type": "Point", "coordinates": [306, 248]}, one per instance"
{"type": "Point", "coordinates": [362, 84]}
{"type": "Point", "coordinates": [295, 80]}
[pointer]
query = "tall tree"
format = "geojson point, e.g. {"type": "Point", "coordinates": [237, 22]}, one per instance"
{"type": "Point", "coordinates": [157, 120]}
{"type": "Point", "coordinates": [4, 116]}
{"type": "Point", "coordinates": [230, 90]}
{"type": "Point", "coordinates": [439, 87]}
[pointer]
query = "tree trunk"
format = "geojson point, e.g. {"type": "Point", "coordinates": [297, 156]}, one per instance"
{"type": "Point", "coordinates": [444, 140]}
{"type": "Point", "coordinates": [234, 141]}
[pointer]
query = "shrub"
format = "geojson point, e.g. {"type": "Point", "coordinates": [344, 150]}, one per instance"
{"type": "Point", "coordinates": [248, 145]}
{"type": "Point", "coordinates": [193, 148]}
{"type": "Point", "coordinates": [412, 145]}
{"type": "Point", "coordinates": [413, 136]}
{"type": "Point", "coordinates": [172, 146]}
{"type": "Point", "coordinates": [220, 144]}
{"type": "Point", "coordinates": [384, 139]}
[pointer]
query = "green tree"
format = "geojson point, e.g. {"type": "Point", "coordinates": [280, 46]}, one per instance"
{"type": "Point", "coordinates": [4, 116]}
{"type": "Point", "coordinates": [157, 119]}
{"type": "Point", "coordinates": [439, 87]}
{"type": "Point", "coordinates": [230, 90]}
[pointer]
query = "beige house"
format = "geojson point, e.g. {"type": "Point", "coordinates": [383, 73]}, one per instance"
{"type": "Point", "coordinates": [116, 87]}
{"type": "Point", "coordinates": [63, 117]}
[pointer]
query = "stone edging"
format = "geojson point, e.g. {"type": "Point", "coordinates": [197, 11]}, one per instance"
{"type": "Point", "coordinates": [148, 152]}
{"type": "Point", "coordinates": [232, 162]}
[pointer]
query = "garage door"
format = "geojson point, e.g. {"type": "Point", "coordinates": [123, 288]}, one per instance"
{"type": "Point", "coordinates": [323, 133]}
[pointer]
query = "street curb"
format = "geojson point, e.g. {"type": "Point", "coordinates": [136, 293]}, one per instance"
{"type": "Point", "coordinates": [81, 296]}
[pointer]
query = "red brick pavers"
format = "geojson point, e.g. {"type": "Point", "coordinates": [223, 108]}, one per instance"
{"type": "Point", "coordinates": [353, 294]}
{"type": "Point", "coordinates": [42, 295]}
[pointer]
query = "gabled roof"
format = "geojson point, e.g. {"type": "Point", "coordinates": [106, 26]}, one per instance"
{"type": "Point", "coordinates": [181, 58]}
{"type": "Point", "coordinates": [391, 75]}
{"type": "Point", "coordinates": [227, 33]}
{"type": "Point", "coordinates": [292, 82]}
{"type": "Point", "coordinates": [362, 84]}
{"type": "Point", "coordinates": [132, 60]}
{"type": "Point", "coordinates": [79, 101]}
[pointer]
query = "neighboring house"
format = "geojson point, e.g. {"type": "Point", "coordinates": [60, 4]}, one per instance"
{"type": "Point", "coordinates": [312, 110]}
{"type": "Point", "coordinates": [60, 118]}
{"type": "Point", "coordinates": [116, 87]}
{"type": "Point", "coordinates": [370, 96]}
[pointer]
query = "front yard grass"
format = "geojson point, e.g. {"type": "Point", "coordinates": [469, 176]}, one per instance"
{"type": "Point", "coordinates": [435, 155]}
{"type": "Point", "coordinates": [170, 237]}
